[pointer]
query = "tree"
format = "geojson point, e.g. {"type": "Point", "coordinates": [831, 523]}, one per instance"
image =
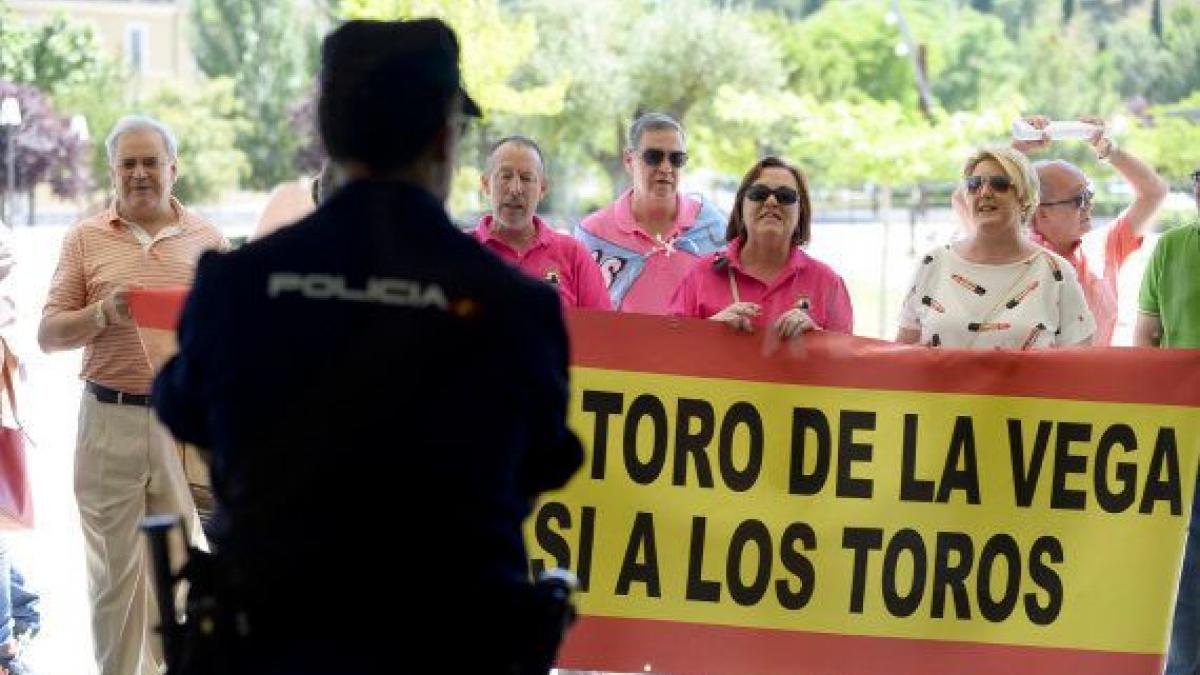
{"type": "Point", "coordinates": [64, 54]}
{"type": "Point", "coordinates": [1171, 143]}
{"type": "Point", "coordinates": [46, 150]}
{"type": "Point", "coordinates": [206, 120]}
{"type": "Point", "coordinates": [266, 47]}
{"type": "Point", "coordinates": [626, 57]}
{"type": "Point", "coordinates": [1065, 76]}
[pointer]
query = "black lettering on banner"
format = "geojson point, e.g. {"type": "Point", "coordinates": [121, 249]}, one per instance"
{"type": "Point", "coordinates": [587, 537]}
{"type": "Point", "coordinates": [952, 575]}
{"type": "Point", "coordinates": [962, 448]}
{"type": "Point", "coordinates": [741, 414]}
{"type": "Point", "coordinates": [749, 531]}
{"type": "Point", "coordinates": [694, 443]}
{"type": "Point", "coordinates": [645, 406]}
{"type": "Point", "coordinates": [805, 420]}
{"type": "Point", "coordinates": [550, 541]}
{"type": "Point", "coordinates": [850, 452]}
{"type": "Point", "coordinates": [862, 540]}
{"type": "Point", "coordinates": [1045, 576]}
{"type": "Point", "coordinates": [604, 404]}
{"type": "Point", "coordinates": [699, 588]}
{"type": "Point", "coordinates": [1066, 463]}
{"type": "Point", "coordinates": [798, 564]}
{"type": "Point", "coordinates": [1116, 502]}
{"type": "Point", "coordinates": [999, 546]}
{"type": "Point", "coordinates": [1168, 489]}
{"type": "Point", "coordinates": [912, 489]}
{"type": "Point", "coordinates": [897, 603]}
{"type": "Point", "coordinates": [642, 547]}
{"type": "Point", "coordinates": [1025, 480]}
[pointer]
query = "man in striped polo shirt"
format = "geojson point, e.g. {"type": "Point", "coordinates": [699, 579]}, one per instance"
{"type": "Point", "coordinates": [126, 465]}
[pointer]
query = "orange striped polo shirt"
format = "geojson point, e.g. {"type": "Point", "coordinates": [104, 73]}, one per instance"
{"type": "Point", "coordinates": [102, 252]}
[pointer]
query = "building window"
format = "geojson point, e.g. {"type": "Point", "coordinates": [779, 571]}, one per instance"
{"type": "Point", "coordinates": [137, 47]}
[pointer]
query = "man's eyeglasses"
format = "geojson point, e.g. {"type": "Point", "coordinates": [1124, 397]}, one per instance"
{"type": "Point", "coordinates": [1080, 201]}
{"type": "Point", "coordinates": [783, 194]}
{"type": "Point", "coordinates": [998, 183]}
{"type": "Point", "coordinates": [654, 157]}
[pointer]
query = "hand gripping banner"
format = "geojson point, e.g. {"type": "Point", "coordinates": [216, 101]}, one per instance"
{"type": "Point", "coordinates": [843, 505]}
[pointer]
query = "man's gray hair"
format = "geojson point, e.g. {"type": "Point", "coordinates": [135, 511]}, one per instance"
{"type": "Point", "coordinates": [653, 121]}
{"type": "Point", "coordinates": [130, 123]}
{"type": "Point", "coordinates": [519, 140]}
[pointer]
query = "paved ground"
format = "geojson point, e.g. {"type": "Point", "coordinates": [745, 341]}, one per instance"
{"type": "Point", "coordinates": [52, 553]}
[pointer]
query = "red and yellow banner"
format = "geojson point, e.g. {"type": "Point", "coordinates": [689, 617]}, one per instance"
{"type": "Point", "coordinates": [842, 505]}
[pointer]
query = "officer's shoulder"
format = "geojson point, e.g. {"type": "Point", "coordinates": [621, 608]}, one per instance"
{"type": "Point", "coordinates": [495, 272]}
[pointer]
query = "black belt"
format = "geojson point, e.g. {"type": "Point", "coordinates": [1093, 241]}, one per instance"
{"type": "Point", "coordinates": [106, 395]}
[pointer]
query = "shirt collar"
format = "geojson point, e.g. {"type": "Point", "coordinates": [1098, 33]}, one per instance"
{"type": "Point", "coordinates": [626, 222]}
{"type": "Point", "coordinates": [796, 262]}
{"type": "Point", "coordinates": [541, 232]}
{"type": "Point", "coordinates": [114, 219]}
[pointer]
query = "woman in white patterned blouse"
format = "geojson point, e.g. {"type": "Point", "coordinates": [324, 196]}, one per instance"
{"type": "Point", "coordinates": [995, 288]}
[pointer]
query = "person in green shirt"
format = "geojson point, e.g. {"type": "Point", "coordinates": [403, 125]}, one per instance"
{"type": "Point", "coordinates": [1169, 316]}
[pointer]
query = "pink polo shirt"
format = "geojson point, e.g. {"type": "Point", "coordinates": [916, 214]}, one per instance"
{"type": "Point", "coordinates": [1101, 290]}
{"type": "Point", "coordinates": [640, 270]}
{"type": "Point", "coordinates": [555, 258]}
{"type": "Point", "coordinates": [706, 290]}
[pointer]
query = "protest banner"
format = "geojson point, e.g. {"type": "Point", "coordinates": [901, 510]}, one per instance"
{"type": "Point", "coordinates": [843, 505]}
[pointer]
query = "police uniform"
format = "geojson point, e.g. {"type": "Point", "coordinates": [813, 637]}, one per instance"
{"type": "Point", "coordinates": [383, 400]}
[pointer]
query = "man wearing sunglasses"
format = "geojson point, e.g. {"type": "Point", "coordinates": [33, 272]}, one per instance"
{"type": "Point", "coordinates": [647, 239]}
{"type": "Point", "coordinates": [1064, 216]}
{"type": "Point", "coordinates": [1169, 316]}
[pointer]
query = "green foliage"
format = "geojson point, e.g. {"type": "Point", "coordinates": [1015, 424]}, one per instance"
{"type": "Point", "coordinates": [206, 119]}
{"type": "Point", "coordinates": [15, 42]}
{"type": "Point", "coordinates": [846, 50]}
{"type": "Point", "coordinates": [64, 53]}
{"type": "Point", "coordinates": [1065, 76]}
{"type": "Point", "coordinates": [977, 65]}
{"type": "Point", "coordinates": [494, 44]}
{"type": "Point", "coordinates": [1172, 144]}
{"type": "Point", "coordinates": [266, 47]}
{"type": "Point", "coordinates": [101, 102]}
{"type": "Point", "coordinates": [65, 60]}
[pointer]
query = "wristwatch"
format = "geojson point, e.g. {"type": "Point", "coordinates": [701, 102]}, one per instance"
{"type": "Point", "coordinates": [99, 316]}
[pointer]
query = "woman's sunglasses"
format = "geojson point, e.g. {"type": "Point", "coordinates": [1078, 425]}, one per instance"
{"type": "Point", "coordinates": [654, 157]}
{"type": "Point", "coordinates": [784, 195]}
{"type": "Point", "coordinates": [998, 183]}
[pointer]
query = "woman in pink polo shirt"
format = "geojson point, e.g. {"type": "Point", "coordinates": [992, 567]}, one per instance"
{"type": "Point", "coordinates": [765, 278]}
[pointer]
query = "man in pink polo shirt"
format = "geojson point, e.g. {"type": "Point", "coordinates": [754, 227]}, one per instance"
{"type": "Point", "coordinates": [515, 182]}
{"type": "Point", "coordinates": [648, 239]}
{"type": "Point", "coordinates": [1064, 216]}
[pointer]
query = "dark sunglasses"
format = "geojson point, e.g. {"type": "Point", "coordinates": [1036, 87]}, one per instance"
{"type": "Point", "coordinates": [1080, 201]}
{"type": "Point", "coordinates": [998, 183]}
{"type": "Point", "coordinates": [783, 194]}
{"type": "Point", "coordinates": [654, 157]}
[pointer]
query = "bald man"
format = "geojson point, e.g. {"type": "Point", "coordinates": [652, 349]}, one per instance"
{"type": "Point", "coordinates": [1064, 216]}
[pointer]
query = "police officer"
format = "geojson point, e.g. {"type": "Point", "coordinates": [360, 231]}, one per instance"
{"type": "Point", "coordinates": [383, 399]}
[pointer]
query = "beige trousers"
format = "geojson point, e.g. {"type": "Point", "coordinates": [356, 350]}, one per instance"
{"type": "Point", "coordinates": [127, 466]}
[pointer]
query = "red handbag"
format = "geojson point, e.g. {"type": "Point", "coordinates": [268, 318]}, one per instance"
{"type": "Point", "coordinates": [16, 499]}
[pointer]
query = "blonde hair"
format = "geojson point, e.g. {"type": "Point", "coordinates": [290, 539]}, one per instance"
{"type": "Point", "coordinates": [1018, 168]}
